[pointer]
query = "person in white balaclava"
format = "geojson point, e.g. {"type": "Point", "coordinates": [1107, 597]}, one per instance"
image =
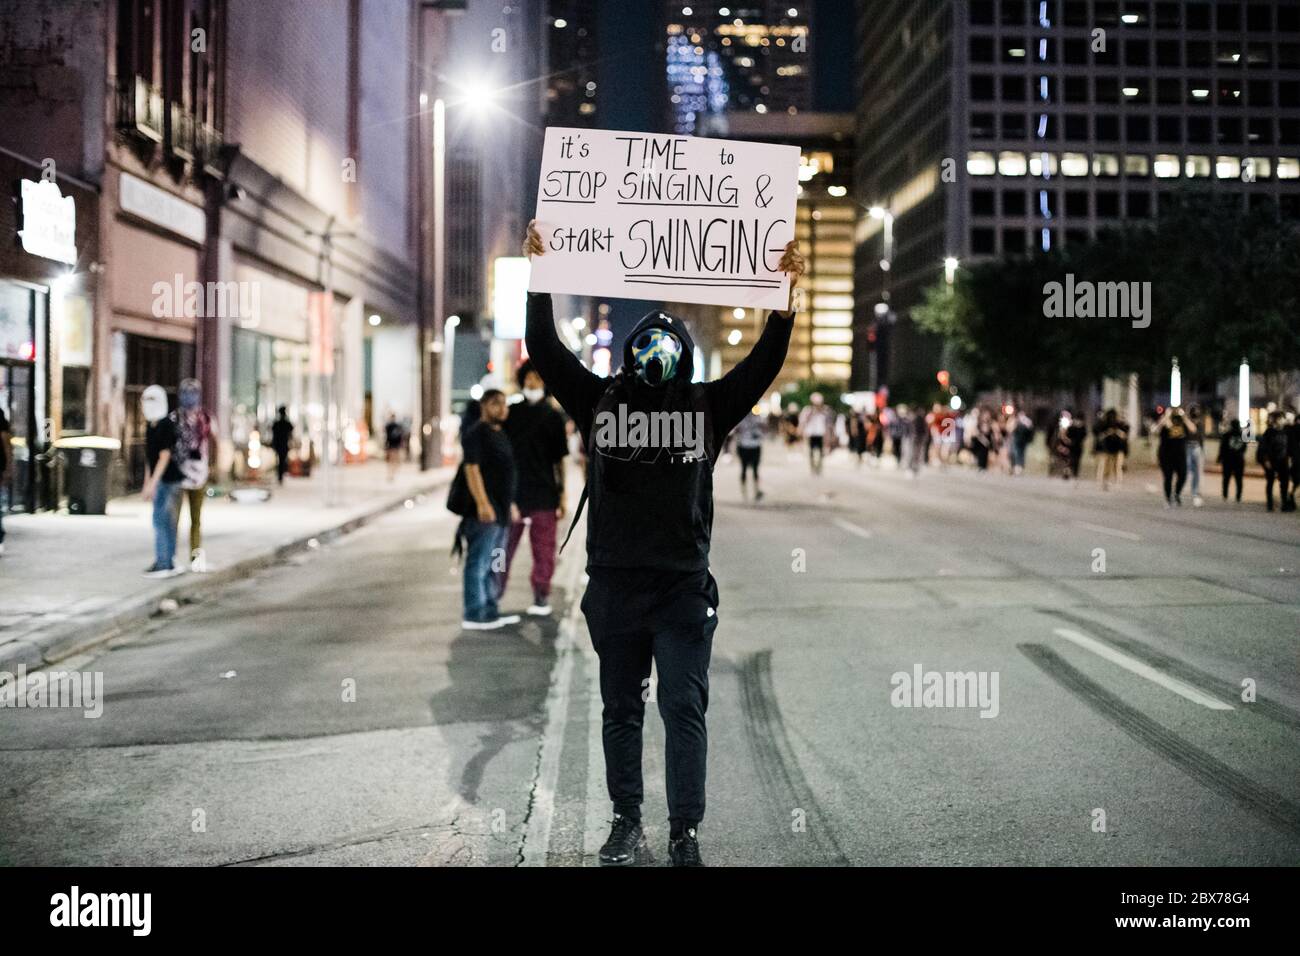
{"type": "Point", "coordinates": [162, 482]}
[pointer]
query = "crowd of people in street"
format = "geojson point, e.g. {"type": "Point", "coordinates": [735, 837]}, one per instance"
{"type": "Point", "coordinates": [999, 438]}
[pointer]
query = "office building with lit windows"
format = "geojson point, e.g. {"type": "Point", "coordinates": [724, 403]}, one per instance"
{"type": "Point", "coordinates": [1001, 128]}
{"type": "Point", "coordinates": [724, 58]}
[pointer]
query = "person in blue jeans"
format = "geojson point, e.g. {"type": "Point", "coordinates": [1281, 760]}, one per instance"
{"type": "Point", "coordinates": [162, 482]}
{"type": "Point", "coordinates": [490, 476]}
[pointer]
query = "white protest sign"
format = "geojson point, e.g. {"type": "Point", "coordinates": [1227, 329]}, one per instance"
{"type": "Point", "coordinates": [678, 218]}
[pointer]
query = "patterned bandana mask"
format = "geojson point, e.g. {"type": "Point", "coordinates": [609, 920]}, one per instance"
{"type": "Point", "coordinates": [656, 352]}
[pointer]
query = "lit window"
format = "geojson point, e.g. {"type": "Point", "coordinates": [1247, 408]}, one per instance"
{"type": "Point", "coordinates": [1288, 169]}
{"type": "Point", "coordinates": [1227, 167]}
{"type": "Point", "coordinates": [1137, 166]}
{"type": "Point", "coordinates": [1012, 164]}
{"type": "Point", "coordinates": [1260, 166]}
{"type": "Point", "coordinates": [1196, 166]}
{"type": "Point", "coordinates": [980, 164]}
{"type": "Point", "coordinates": [1105, 164]}
{"type": "Point", "coordinates": [1166, 166]}
{"type": "Point", "coordinates": [1036, 164]}
{"type": "Point", "coordinates": [1074, 164]}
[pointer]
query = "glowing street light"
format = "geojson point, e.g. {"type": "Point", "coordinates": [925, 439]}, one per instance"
{"type": "Point", "coordinates": [1175, 385]}
{"type": "Point", "coordinates": [950, 269]}
{"type": "Point", "coordinates": [1243, 393]}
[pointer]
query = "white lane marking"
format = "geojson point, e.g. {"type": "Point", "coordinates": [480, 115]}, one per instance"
{"type": "Point", "coordinates": [537, 840]}
{"type": "Point", "coordinates": [598, 811]}
{"type": "Point", "coordinates": [1142, 670]}
{"type": "Point", "coordinates": [1102, 529]}
{"type": "Point", "coordinates": [852, 528]}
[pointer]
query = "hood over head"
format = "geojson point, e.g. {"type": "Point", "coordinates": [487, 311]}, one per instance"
{"type": "Point", "coordinates": [658, 319]}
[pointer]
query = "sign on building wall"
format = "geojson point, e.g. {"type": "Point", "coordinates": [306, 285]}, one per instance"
{"type": "Point", "coordinates": [49, 222]}
{"type": "Point", "coordinates": [648, 216]}
{"type": "Point", "coordinates": [509, 296]}
{"type": "Point", "coordinates": [161, 208]}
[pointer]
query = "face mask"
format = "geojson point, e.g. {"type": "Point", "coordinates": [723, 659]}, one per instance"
{"type": "Point", "coordinates": [189, 399]}
{"type": "Point", "coordinates": [656, 353]}
{"type": "Point", "coordinates": [153, 403]}
{"type": "Point", "coordinates": [534, 395]}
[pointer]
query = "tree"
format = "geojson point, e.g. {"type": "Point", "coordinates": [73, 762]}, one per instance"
{"type": "Point", "coordinates": [1223, 284]}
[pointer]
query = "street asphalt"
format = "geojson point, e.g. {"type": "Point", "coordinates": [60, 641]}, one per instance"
{"type": "Point", "coordinates": [330, 711]}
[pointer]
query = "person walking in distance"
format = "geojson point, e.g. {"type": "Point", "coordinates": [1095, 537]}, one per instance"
{"type": "Point", "coordinates": [539, 444]}
{"type": "Point", "coordinates": [650, 594]}
{"type": "Point", "coordinates": [394, 438]}
{"type": "Point", "coordinates": [814, 422]}
{"type": "Point", "coordinates": [1172, 454]}
{"type": "Point", "coordinates": [490, 476]}
{"type": "Point", "coordinates": [281, 436]}
{"type": "Point", "coordinates": [1110, 445]}
{"type": "Point", "coordinates": [193, 452]}
{"type": "Point", "coordinates": [162, 483]}
{"type": "Point", "coordinates": [749, 448]}
{"type": "Point", "coordinates": [1293, 456]}
{"type": "Point", "coordinates": [1195, 452]}
{"type": "Point", "coordinates": [1273, 454]}
{"type": "Point", "coordinates": [1232, 457]}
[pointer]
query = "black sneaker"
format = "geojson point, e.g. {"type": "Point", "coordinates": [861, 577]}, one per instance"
{"type": "Point", "coordinates": [626, 841]}
{"type": "Point", "coordinates": [685, 849]}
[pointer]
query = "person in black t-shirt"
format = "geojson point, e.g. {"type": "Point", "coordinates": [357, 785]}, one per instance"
{"type": "Point", "coordinates": [281, 436]}
{"type": "Point", "coordinates": [162, 483]}
{"type": "Point", "coordinates": [394, 439]}
{"type": "Point", "coordinates": [490, 476]}
{"type": "Point", "coordinates": [539, 443]}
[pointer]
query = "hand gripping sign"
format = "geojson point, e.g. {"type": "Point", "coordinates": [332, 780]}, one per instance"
{"type": "Point", "coordinates": [677, 218]}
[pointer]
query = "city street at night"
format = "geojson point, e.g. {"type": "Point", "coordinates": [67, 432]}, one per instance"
{"type": "Point", "coordinates": [454, 450]}
{"type": "Point", "coordinates": [1118, 691]}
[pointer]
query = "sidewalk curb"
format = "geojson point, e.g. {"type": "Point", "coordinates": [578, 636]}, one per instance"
{"type": "Point", "coordinates": [45, 646]}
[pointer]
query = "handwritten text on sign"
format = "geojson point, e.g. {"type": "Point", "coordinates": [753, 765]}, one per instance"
{"type": "Point", "coordinates": [683, 219]}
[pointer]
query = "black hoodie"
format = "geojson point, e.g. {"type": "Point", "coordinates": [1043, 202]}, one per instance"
{"type": "Point", "coordinates": [652, 508]}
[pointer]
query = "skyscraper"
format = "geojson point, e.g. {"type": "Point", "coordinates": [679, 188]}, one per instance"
{"type": "Point", "coordinates": [572, 91]}
{"type": "Point", "coordinates": [999, 128]}
{"type": "Point", "coordinates": [750, 56]}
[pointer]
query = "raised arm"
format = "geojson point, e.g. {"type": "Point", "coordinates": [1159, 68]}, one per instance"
{"type": "Point", "coordinates": [732, 396]}
{"type": "Point", "coordinates": [576, 388]}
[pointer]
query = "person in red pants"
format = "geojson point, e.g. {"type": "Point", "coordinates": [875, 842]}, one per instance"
{"type": "Point", "coordinates": [537, 437]}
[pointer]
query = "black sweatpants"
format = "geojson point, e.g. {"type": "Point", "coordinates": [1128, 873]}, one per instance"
{"type": "Point", "coordinates": [636, 615]}
{"type": "Point", "coordinates": [1233, 470]}
{"type": "Point", "coordinates": [1282, 476]}
{"type": "Point", "coordinates": [1172, 468]}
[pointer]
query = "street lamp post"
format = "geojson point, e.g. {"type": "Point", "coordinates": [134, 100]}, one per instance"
{"type": "Point", "coordinates": [440, 258]}
{"type": "Point", "coordinates": [1243, 394]}
{"type": "Point", "coordinates": [448, 368]}
{"type": "Point", "coordinates": [887, 217]}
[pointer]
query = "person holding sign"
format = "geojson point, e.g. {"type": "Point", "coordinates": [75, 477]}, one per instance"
{"type": "Point", "coordinates": [653, 436]}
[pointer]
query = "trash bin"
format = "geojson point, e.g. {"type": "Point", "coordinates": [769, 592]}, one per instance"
{"type": "Point", "coordinates": [87, 462]}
